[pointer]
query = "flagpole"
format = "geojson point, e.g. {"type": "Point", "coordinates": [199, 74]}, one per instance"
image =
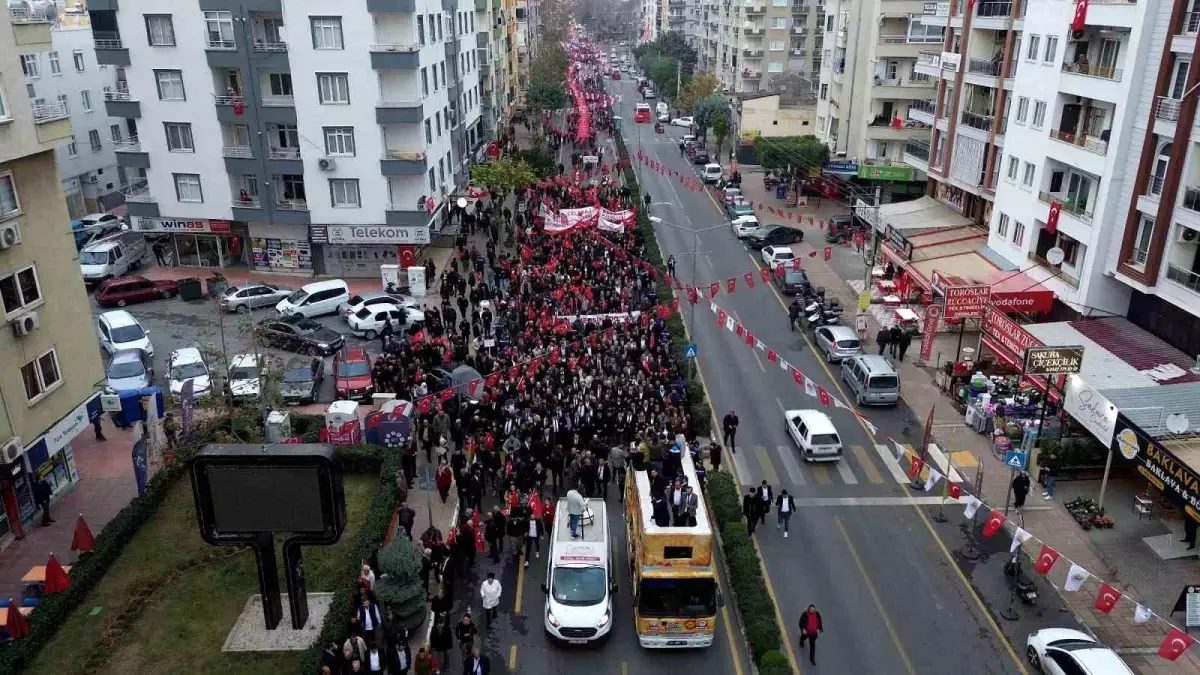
{"type": "Point", "coordinates": [941, 515]}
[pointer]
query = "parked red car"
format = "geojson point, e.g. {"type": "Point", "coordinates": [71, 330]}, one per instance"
{"type": "Point", "coordinates": [352, 375]}
{"type": "Point", "coordinates": [130, 290]}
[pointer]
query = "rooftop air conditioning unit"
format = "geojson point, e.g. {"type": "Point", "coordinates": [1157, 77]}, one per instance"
{"type": "Point", "coordinates": [1188, 236]}
{"type": "Point", "coordinates": [326, 164]}
{"type": "Point", "coordinates": [10, 235]}
{"type": "Point", "coordinates": [25, 324]}
{"type": "Point", "coordinates": [11, 450]}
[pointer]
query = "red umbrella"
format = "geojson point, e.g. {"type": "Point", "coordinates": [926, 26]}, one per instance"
{"type": "Point", "coordinates": [17, 625]}
{"type": "Point", "coordinates": [56, 577]}
{"type": "Point", "coordinates": [82, 541]}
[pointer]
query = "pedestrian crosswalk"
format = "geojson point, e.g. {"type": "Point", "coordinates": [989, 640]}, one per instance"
{"type": "Point", "coordinates": [781, 466]}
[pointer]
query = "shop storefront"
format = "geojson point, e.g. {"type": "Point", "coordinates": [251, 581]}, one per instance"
{"type": "Point", "coordinates": [1167, 462]}
{"type": "Point", "coordinates": [357, 251]}
{"type": "Point", "coordinates": [282, 248]}
{"type": "Point", "coordinates": [198, 242]}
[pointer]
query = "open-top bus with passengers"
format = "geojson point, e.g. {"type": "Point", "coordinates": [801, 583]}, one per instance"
{"type": "Point", "coordinates": [675, 589]}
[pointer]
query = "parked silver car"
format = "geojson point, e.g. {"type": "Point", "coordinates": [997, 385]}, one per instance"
{"type": "Point", "coordinates": [130, 369]}
{"type": "Point", "coordinates": [838, 342]}
{"type": "Point", "coordinates": [252, 296]}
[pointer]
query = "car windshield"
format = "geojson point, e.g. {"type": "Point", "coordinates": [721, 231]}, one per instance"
{"type": "Point", "coordinates": [884, 382]}
{"type": "Point", "coordinates": [93, 257]}
{"type": "Point", "coordinates": [795, 278]}
{"type": "Point", "coordinates": [298, 375]}
{"type": "Point", "coordinates": [297, 297]}
{"type": "Point", "coordinates": [578, 586]}
{"type": "Point", "coordinates": [243, 373]}
{"type": "Point", "coordinates": [123, 369]}
{"type": "Point", "coordinates": [128, 333]}
{"type": "Point", "coordinates": [848, 344]}
{"type": "Point", "coordinates": [355, 369]}
{"type": "Point", "coordinates": [671, 598]}
{"type": "Point", "coordinates": [184, 371]}
{"type": "Point", "coordinates": [825, 439]}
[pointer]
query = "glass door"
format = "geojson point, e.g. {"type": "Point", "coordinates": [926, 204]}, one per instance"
{"type": "Point", "coordinates": [1079, 192]}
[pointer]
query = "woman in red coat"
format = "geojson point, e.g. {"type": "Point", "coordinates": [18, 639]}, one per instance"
{"type": "Point", "coordinates": [444, 479]}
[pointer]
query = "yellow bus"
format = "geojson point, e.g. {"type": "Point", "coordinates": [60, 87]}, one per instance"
{"type": "Point", "coordinates": [675, 590]}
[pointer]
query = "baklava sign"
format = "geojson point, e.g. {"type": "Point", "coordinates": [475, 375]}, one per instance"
{"type": "Point", "coordinates": [1053, 360]}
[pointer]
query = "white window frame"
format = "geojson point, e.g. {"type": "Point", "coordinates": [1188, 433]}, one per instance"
{"type": "Point", "coordinates": [1018, 233]}
{"type": "Point", "coordinates": [170, 78]}
{"type": "Point", "coordinates": [776, 46]}
{"type": "Point", "coordinates": [73, 148]}
{"type": "Point", "coordinates": [339, 141]}
{"type": "Point", "coordinates": [329, 30]}
{"type": "Point", "coordinates": [224, 35]}
{"type": "Point", "coordinates": [55, 66]}
{"type": "Point", "coordinates": [179, 137]}
{"type": "Point", "coordinates": [1039, 115]}
{"type": "Point", "coordinates": [114, 132]}
{"type": "Point", "coordinates": [31, 66]}
{"type": "Point", "coordinates": [344, 193]}
{"type": "Point", "coordinates": [1028, 173]}
{"type": "Point", "coordinates": [1002, 225]}
{"type": "Point", "coordinates": [333, 88]}
{"type": "Point", "coordinates": [1033, 48]}
{"type": "Point", "coordinates": [1051, 49]}
{"type": "Point", "coordinates": [9, 211]}
{"type": "Point", "coordinates": [94, 140]}
{"type": "Point", "coordinates": [774, 66]}
{"type": "Point", "coordinates": [44, 388]}
{"type": "Point", "coordinates": [185, 181]}
{"type": "Point", "coordinates": [160, 30]}
{"type": "Point", "coordinates": [1022, 109]}
{"type": "Point", "coordinates": [85, 97]}
{"type": "Point", "coordinates": [64, 102]}
{"type": "Point", "coordinates": [25, 304]}
{"type": "Point", "coordinates": [1014, 167]}
{"type": "Point", "coordinates": [77, 59]}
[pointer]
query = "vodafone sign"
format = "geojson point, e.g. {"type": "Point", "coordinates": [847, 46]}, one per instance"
{"type": "Point", "coordinates": [1039, 300]}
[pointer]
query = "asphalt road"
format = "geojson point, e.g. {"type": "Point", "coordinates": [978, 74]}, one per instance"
{"type": "Point", "coordinates": [891, 596]}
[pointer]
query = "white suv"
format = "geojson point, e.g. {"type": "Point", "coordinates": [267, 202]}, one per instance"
{"type": "Point", "coordinates": [315, 299]}
{"type": "Point", "coordinates": [118, 330]}
{"type": "Point", "coordinates": [188, 364]}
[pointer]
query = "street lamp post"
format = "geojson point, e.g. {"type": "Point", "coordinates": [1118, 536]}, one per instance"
{"type": "Point", "coordinates": [695, 253]}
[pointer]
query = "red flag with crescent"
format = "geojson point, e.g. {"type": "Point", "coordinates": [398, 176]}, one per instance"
{"type": "Point", "coordinates": [994, 522]}
{"type": "Point", "coordinates": [1045, 560]}
{"type": "Point", "coordinates": [1175, 644]}
{"type": "Point", "coordinates": [1107, 598]}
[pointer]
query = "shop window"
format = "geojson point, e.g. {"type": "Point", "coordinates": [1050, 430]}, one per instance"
{"type": "Point", "coordinates": [41, 376]}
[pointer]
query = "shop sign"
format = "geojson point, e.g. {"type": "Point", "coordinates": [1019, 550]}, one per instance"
{"type": "Point", "coordinates": [951, 61]}
{"type": "Point", "coordinates": [966, 302]}
{"type": "Point", "coordinates": [1053, 360]}
{"type": "Point", "coordinates": [841, 167]}
{"type": "Point", "coordinates": [369, 234]}
{"type": "Point", "coordinates": [1010, 335]}
{"type": "Point", "coordinates": [872, 172]}
{"type": "Point", "coordinates": [193, 226]}
{"type": "Point", "coordinates": [65, 430]}
{"type": "Point", "coordinates": [1161, 467]}
{"type": "Point", "coordinates": [929, 331]}
{"type": "Point", "coordinates": [1091, 409]}
{"type": "Point", "coordinates": [1024, 301]}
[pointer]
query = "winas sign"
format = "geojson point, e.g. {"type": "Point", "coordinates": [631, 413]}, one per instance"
{"type": "Point", "coordinates": [1053, 360]}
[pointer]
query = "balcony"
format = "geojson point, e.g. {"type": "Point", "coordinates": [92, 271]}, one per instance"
{"type": "Point", "coordinates": [1087, 70]}
{"type": "Point", "coordinates": [1093, 144]}
{"type": "Point", "coordinates": [263, 46]}
{"type": "Point", "coordinates": [49, 112]}
{"type": "Point", "coordinates": [752, 53]}
{"type": "Point", "coordinates": [215, 43]}
{"type": "Point", "coordinates": [131, 155]}
{"type": "Point", "coordinates": [752, 30]}
{"type": "Point", "coordinates": [1184, 277]}
{"type": "Point", "coordinates": [1069, 205]}
{"type": "Point", "coordinates": [748, 74]}
{"type": "Point", "coordinates": [1167, 109]}
{"type": "Point", "coordinates": [799, 52]}
{"type": "Point", "coordinates": [399, 112]}
{"type": "Point", "coordinates": [753, 10]}
{"type": "Point", "coordinates": [917, 149]}
{"type": "Point", "coordinates": [1058, 271]}
{"type": "Point", "coordinates": [131, 144]}
{"type": "Point", "coordinates": [278, 101]}
{"type": "Point", "coordinates": [291, 205]}
{"type": "Point", "coordinates": [980, 121]}
{"type": "Point", "coordinates": [395, 56]}
{"type": "Point", "coordinates": [1191, 199]}
{"type": "Point", "coordinates": [893, 39]}
{"type": "Point", "coordinates": [110, 50]}
{"type": "Point", "coordinates": [31, 27]}
{"type": "Point", "coordinates": [283, 154]}
{"type": "Point", "coordinates": [403, 163]}
{"type": "Point", "coordinates": [922, 110]}
{"type": "Point", "coordinates": [121, 103]}
{"type": "Point", "coordinates": [138, 192]}
{"type": "Point", "coordinates": [247, 203]}
{"type": "Point", "coordinates": [985, 67]}
{"type": "Point", "coordinates": [993, 14]}
{"type": "Point", "coordinates": [237, 152]}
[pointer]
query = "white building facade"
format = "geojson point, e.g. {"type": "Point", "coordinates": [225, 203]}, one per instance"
{"type": "Point", "coordinates": [294, 135]}
{"type": "Point", "coordinates": [750, 44]}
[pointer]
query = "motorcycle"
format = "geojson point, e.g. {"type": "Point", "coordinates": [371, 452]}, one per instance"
{"type": "Point", "coordinates": [1023, 588]}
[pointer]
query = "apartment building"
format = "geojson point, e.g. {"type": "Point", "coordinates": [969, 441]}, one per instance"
{"type": "Point", "coordinates": [499, 43]}
{"type": "Point", "coordinates": [294, 134]}
{"type": "Point", "coordinates": [751, 44]}
{"type": "Point", "coordinates": [869, 83]}
{"type": "Point", "coordinates": [652, 18]}
{"type": "Point", "coordinates": [67, 73]}
{"type": "Point", "coordinates": [49, 358]}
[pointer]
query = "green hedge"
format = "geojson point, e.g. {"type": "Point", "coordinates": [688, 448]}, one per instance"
{"type": "Point", "coordinates": [745, 576]}
{"type": "Point", "coordinates": [696, 396]}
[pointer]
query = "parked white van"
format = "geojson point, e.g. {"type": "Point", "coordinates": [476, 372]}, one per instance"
{"type": "Point", "coordinates": [814, 432]}
{"type": "Point", "coordinates": [579, 584]}
{"type": "Point", "coordinates": [111, 257]}
{"type": "Point", "coordinates": [315, 299]}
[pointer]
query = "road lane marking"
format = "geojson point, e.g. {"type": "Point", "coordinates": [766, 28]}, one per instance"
{"type": "Point", "coordinates": [742, 472]}
{"type": "Point", "coordinates": [889, 460]}
{"type": "Point", "coordinates": [874, 501]}
{"type": "Point", "coordinates": [520, 582]}
{"type": "Point", "coordinates": [844, 471]}
{"type": "Point", "coordinates": [512, 660]}
{"type": "Point", "coordinates": [940, 461]}
{"type": "Point", "coordinates": [821, 473]}
{"type": "Point", "coordinates": [864, 460]}
{"type": "Point", "coordinates": [790, 465]}
{"type": "Point", "coordinates": [875, 597]}
{"type": "Point", "coordinates": [768, 469]}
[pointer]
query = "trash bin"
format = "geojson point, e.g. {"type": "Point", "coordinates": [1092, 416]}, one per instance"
{"type": "Point", "coordinates": [190, 289]}
{"type": "Point", "coordinates": [781, 191]}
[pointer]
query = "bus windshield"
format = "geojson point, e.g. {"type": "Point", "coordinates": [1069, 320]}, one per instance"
{"type": "Point", "coordinates": [682, 598]}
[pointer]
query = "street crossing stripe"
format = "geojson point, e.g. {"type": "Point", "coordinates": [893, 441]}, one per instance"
{"type": "Point", "coordinates": [743, 470]}
{"type": "Point", "coordinates": [787, 456]}
{"type": "Point", "coordinates": [889, 460]}
{"type": "Point", "coordinates": [844, 471]}
{"type": "Point", "coordinates": [821, 474]}
{"type": "Point", "coordinates": [940, 461]}
{"type": "Point", "coordinates": [864, 460]}
{"type": "Point", "coordinates": [920, 500]}
{"type": "Point", "coordinates": [768, 469]}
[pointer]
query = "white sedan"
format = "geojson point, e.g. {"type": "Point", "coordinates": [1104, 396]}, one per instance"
{"type": "Point", "coordinates": [688, 122]}
{"type": "Point", "coordinates": [777, 255]}
{"type": "Point", "coordinates": [1063, 651]}
{"type": "Point", "coordinates": [744, 225]}
{"type": "Point", "coordinates": [369, 320]}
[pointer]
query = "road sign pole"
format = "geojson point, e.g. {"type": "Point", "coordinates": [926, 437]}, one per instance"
{"type": "Point", "coordinates": [1012, 473]}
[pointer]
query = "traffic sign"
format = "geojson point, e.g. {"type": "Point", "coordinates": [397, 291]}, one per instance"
{"type": "Point", "coordinates": [1016, 459]}
{"type": "Point", "coordinates": [690, 351]}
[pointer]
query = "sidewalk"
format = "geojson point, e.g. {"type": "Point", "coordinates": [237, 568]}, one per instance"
{"type": "Point", "coordinates": [972, 454]}
{"type": "Point", "coordinates": [106, 485]}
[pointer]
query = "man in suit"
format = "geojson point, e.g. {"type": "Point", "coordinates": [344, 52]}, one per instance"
{"type": "Point", "coordinates": [765, 496]}
{"type": "Point", "coordinates": [750, 511]}
{"type": "Point", "coordinates": [603, 478]}
{"type": "Point", "coordinates": [476, 664]}
{"type": "Point", "coordinates": [785, 506]}
{"type": "Point", "coordinates": [690, 502]}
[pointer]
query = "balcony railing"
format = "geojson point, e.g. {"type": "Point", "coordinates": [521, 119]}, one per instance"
{"type": "Point", "coordinates": [986, 67]}
{"type": "Point", "coordinates": [263, 46]}
{"type": "Point", "coordinates": [925, 105]}
{"type": "Point", "coordinates": [918, 149]}
{"type": "Point", "coordinates": [1089, 143]}
{"type": "Point", "coordinates": [1154, 185]}
{"type": "Point", "coordinates": [977, 120]}
{"type": "Point", "coordinates": [107, 40]}
{"type": "Point", "coordinates": [238, 151]}
{"type": "Point", "coordinates": [993, 9]}
{"type": "Point", "coordinates": [1138, 257]}
{"type": "Point", "coordinates": [291, 205]}
{"type": "Point", "coordinates": [131, 144]}
{"type": "Point", "coordinates": [284, 153]}
{"type": "Point", "coordinates": [216, 43]}
{"type": "Point", "coordinates": [1191, 199]}
{"type": "Point", "coordinates": [247, 203]}
{"type": "Point", "coordinates": [1034, 257]}
{"type": "Point", "coordinates": [396, 47]}
{"type": "Point", "coordinates": [278, 101]}
{"type": "Point", "coordinates": [138, 191]}
{"type": "Point", "coordinates": [893, 39]}
{"type": "Point", "coordinates": [121, 94]}
{"type": "Point", "coordinates": [1089, 70]}
{"type": "Point", "coordinates": [228, 99]}
{"type": "Point", "coordinates": [751, 74]}
{"type": "Point", "coordinates": [49, 112]}
{"type": "Point", "coordinates": [1191, 23]}
{"type": "Point", "coordinates": [1186, 278]}
{"type": "Point", "coordinates": [1167, 109]}
{"type": "Point", "coordinates": [1067, 205]}
{"type": "Point", "coordinates": [26, 15]}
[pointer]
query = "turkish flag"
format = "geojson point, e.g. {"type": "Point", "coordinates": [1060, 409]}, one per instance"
{"type": "Point", "coordinates": [797, 377]}
{"type": "Point", "coordinates": [829, 253]}
{"type": "Point", "coordinates": [446, 395]}
{"type": "Point", "coordinates": [994, 522]}
{"type": "Point", "coordinates": [425, 404]}
{"type": "Point", "coordinates": [765, 275]}
{"type": "Point", "coordinates": [780, 270]}
{"type": "Point", "coordinates": [514, 372]}
{"type": "Point", "coordinates": [771, 209]}
{"type": "Point", "coordinates": [740, 330]}
{"type": "Point", "coordinates": [796, 264]}
{"type": "Point", "coordinates": [772, 356]}
{"type": "Point", "coordinates": [664, 312]}
{"type": "Point", "coordinates": [691, 294]}
{"type": "Point", "coordinates": [750, 338]}
{"type": "Point", "coordinates": [714, 289]}
{"type": "Point", "coordinates": [645, 319]}
{"type": "Point", "coordinates": [1175, 644]}
{"type": "Point", "coordinates": [1079, 21]}
{"type": "Point", "coordinates": [535, 506]}
{"type": "Point", "coordinates": [720, 317]}
{"type": "Point", "coordinates": [731, 285]}
{"type": "Point", "coordinates": [674, 304]}
{"type": "Point", "coordinates": [1107, 598]}
{"type": "Point", "coordinates": [749, 277]}
{"type": "Point", "coordinates": [533, 367]}
{"type": "Point", "coordinates": [1045, 560]}
{"type": "Point", "coordinates": [553, 358]}
{"type": "Point", "coordinates": [914, 469]}
{"type": "Point", "coordinates": [1052, 219]}
{"type": "Point", "coordinates": [825, 398]}
{"type": "Point", "coordinates": [955, 491]}
{"type": "Point", "coordinates": [418, 337]}
{"type": "Point", "coordinates": [480, 547]}
{"type": "Point", "coordinates": [493, 380]}
{"type": "Point", "coordinates": [572, 362]}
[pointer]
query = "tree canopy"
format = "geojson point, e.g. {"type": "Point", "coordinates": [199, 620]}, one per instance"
{"type": "Point", "coordinates": [708, 110]}
{"type": "Point", "coordinates": [543, 95]}
{"type": "Point", "coordinates": [798, 152]}
{"type": "Point", "coordinates": [663, 72]}
{"type": "Point", "coordinates": [720, 128]}
{"type": "Point", "coordinates": [503, 174]}
{"type": "Point", "coordinates": [699, 87]}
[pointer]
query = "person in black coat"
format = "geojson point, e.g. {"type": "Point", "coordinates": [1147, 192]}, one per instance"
{"type": "Point", "coordinates": [1020, 489]}
{"type": "Point", "coordinates": [603, 478]}
{"type": "Point", "coordinates": [750, 511]}
{"type": "Point", "coordinates": [765, 496]}
{"type": "Point", "coordinates": [882, 338]}
{"type": "Point", "coordinates": [811, 626]}
{"type": "Point", "coordinates": [41, 497]}
{"type": "Point", "coordinates": [476, 663]}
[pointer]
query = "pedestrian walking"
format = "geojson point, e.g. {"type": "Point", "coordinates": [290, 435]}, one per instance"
{"type": "Point", "coordinates": [794, 314]}
{"type": "Point", "coordinates": [785, 506]}
{"type": "Point", "coordinates": [465, 633]}
{"type": "Point", "coordinates": [810, 627]}
{"type": "Point", "coordinates": [533, 539]}
{"type": "Point", "coordinates": [714, 456]}
{"type": "Point", "coordinates": [41, 499]}
{"type": "Point", "coordinates": [616, 460]}
{"type": "Point", "coordinates": [894, 339]}
{"type": "Point", "coordinates": [489, 595]}
{"type": "Point", "coordinates": [1049, 477]}
{"type": "Point", "coordinates": [671, 265]}
{"type": "Point", "coordinates": [765, 496]}
{"type": "Point", "coordinates": [902, 347]}
{"type": "Point", "coordinates": [882, 338]}
{"type": "Point", "coordinates": [476, 664]}
{"type": "Point", "coordinates": [1020, 488]}
{"type": "Point", "coordinates": [729, 427]}
{"type": "Point", "coordinates": [385, 335]}
{"type": "Point", "coordinates": [98, 428]}
{"type": "Point", "coordinates": [158, 254]}
{"type": "Point", "coordinates": [603, 478]}
{"type": "Point", "coordinates": [750, 511]}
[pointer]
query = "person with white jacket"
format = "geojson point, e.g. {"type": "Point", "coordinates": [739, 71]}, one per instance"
{"type": "Point", "coordinates": [489, 593]}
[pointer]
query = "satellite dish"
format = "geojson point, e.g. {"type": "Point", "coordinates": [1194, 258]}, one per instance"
{"type": "Point", "coordinates": [1177, 423]}
{"type": "Point", "coordinates": [1055, 256]}
{"type": "Point", "coordinates": [462, 202]}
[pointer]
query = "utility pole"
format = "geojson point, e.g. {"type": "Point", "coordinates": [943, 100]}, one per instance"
{"type": "Point", "coordinates": [678, 80]}
{"type": "Point", "coordinates": [875, 210]}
